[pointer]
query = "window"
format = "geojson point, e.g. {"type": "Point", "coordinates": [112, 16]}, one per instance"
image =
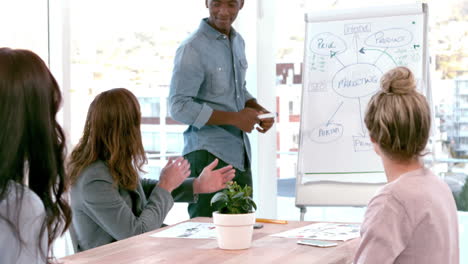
{"type": "Point", "coordinates": [150, 107]}
{"type": "Point", "coordinates": [24, 25]}
{"type": "Point", "coordinates": [132, 46]}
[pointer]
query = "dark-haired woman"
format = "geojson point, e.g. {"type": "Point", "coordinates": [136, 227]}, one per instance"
{"type": "Point", "coordinates": [413, 218]}
{"type": "Point", "coordinates": [109, 200]}
{"type": "Point", "coordinates": [32, 178]}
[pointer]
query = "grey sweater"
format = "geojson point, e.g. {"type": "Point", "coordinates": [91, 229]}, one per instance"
{"type": "Point", "coordinates": [104, 213]}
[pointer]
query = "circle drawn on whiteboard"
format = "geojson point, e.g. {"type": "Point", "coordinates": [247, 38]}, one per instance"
{"type": "Point", "coordinates": [326, 133]}
{"type": "Point", "coordinates": [357, 80]}
{"type": "Point", "coordinates": [390, 38]}
{"type": "Point", "coordinates": [327, 43]}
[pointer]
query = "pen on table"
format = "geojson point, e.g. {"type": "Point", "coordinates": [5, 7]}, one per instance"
{"type": "Point", "coordinates": [272, 221]}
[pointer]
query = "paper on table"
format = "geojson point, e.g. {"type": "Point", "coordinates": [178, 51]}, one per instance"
{"type": "Point", "coordinates": [323, 231]}
{"type": "Point", "coordinates": [189, 230]}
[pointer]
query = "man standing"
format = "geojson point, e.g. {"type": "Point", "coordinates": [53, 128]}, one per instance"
{"type": "Point", "coordinates": [208, 93]}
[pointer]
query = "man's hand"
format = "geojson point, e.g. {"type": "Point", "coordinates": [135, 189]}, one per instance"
{"type": "Point", "coordinates": [174, 173]}
{"type": "Point", "coordinates": [213, 180]}
{"type": "Point", "coordinates": [246, 119]}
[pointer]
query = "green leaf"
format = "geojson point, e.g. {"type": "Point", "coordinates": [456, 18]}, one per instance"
{"type": "Point", "coordinates": [238, 195]}
{"type": "Point", "coordinates": [251, 203]}
{"type": "Point", "coordinates": [234, 200]}
{"type": "Point", "coordinates": [220, 206]}
{"type": "Point", "coordinates": [219, 197]}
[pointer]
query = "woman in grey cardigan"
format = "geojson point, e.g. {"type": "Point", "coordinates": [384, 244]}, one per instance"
{"type": "Point", "coordinates": [109, 201]}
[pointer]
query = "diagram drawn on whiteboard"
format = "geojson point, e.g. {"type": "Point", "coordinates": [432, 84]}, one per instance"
{"type": "Point", "coordinates": [343, 67]}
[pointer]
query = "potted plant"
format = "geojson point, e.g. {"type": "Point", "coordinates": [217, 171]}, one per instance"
{"type": "Point", "coordinates": [235, 216]}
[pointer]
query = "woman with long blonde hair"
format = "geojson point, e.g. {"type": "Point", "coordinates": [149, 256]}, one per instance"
{"type": "Point", "coordinates": [109, 200]}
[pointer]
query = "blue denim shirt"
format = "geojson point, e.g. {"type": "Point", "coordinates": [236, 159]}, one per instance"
{"type": "Point", "coordinates": [209, 73]}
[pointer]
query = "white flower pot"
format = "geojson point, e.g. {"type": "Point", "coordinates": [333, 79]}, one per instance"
{"type": "Point", "coordinates": [234, 231]}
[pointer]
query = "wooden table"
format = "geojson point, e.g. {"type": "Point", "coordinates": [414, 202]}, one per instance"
{"type": "Point", "coordinates": [144, 249]}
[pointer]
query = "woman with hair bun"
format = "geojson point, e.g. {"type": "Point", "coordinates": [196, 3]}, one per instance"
{"type": "Point", "coordinates": [413, 218]}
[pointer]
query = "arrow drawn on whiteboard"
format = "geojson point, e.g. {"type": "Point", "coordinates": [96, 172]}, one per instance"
{"type": "Point", "coordinates": [363, 51]}
{"type": "Point", "coordinates": [328, 123]}
{"type": "Point", "coordinates": [360, 120]}
{"type": "Point", "coordinates": [333, 55]}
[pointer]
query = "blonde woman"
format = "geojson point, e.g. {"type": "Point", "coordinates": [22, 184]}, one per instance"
{"type": "Point", "coordinates": [413, 218]}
